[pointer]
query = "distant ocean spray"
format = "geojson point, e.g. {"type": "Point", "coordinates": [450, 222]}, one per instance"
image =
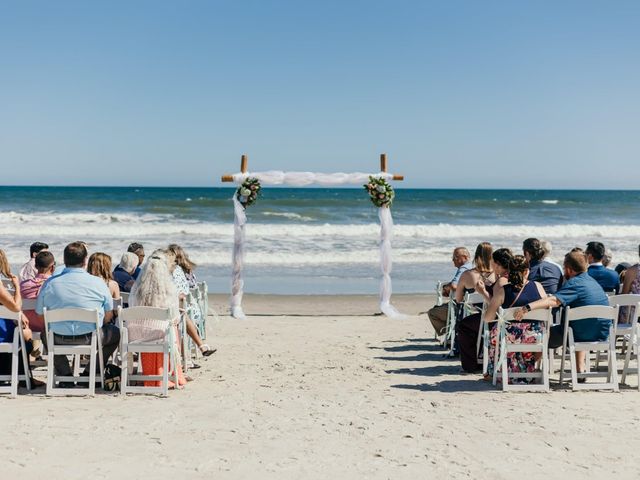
{"type": "Point", "coordinates": [316, 240]}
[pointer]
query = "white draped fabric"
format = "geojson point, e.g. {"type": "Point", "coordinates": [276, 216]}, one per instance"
{"type": "Point", "coordinates": [300, 179]}
{"type": "Point", "coordinates": [237, 283]}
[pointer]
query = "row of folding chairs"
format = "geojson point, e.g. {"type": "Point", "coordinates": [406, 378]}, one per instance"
{"type": "Point", "coordinates": [628, 333]}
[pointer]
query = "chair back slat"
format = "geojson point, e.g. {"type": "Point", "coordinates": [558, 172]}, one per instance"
{"type": "Point", "coordinates": [71, 314]}
{"type": "Point", "coordinates": [626, 300]}
{"type": "Point", "coordinates": [132, 314]}
{"type": "Point", "coordinates": [542, 315]}
{"type": "Point", "coordinates": [8, 314]}
{"type": "Point", "coordinates": [592, 311]}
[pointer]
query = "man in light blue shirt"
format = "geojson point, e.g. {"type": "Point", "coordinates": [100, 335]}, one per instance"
{"type": "Point", "coordinates": [438, 315]}
{"type": "Point", "coordinates": [74, 287]}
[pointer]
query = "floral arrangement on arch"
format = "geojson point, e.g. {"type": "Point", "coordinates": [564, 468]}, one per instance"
{"type": "Point", "coordinates": [380, 191]}
{"type": "Point", "coordinates": [248, 192]}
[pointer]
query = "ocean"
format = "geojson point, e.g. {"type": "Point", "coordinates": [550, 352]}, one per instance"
{"type": "Point", "coordinates": [316, 240]}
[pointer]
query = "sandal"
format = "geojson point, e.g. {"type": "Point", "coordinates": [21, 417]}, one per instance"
{"type": "Point", "coordinates": [206, 350]}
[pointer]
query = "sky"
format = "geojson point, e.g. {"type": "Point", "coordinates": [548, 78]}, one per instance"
{"type": "Point", "coordinates": [468, 94]}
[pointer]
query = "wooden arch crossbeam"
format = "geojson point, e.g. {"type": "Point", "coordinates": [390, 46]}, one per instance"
{"type": "Point", "coordinates": [227, 178]}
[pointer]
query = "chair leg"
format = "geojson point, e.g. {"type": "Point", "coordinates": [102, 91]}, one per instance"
{"type": "Point", "coordinates": [574, 367]}
{"type": "Point", "coordinates": [14, 369]}
{"type": "Point", "coordinates": [50, 364]}
{"type": "Point", "coordinates": [627, 359]}
{"type": "Point", "coordinates": [613, 368]}
{"type": "Point", "coordinates": [504, 365]}
{"type": "Point", "coordinates": [562, 358]}
{"type": "Point", "coordinates": [544, 368]}
{"type": "Point", "coordinates": [92, 365]}
{"type": "Point", "coordinates": [165, 372]}
{"type": "Point", "coordinates": [124, 371]}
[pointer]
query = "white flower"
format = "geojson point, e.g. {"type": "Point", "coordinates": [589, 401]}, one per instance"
{"type": "Point", "coordinates": [245, 192]}
{"type": "Point", "coordinates": [381, 188]}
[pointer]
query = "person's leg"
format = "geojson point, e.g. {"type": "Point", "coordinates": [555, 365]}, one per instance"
{"type": "Point", "coordinates": [438, 317]}
{"type": "Point", "coordinates": [555, 336]}
{"type": "Point", "coordinates": [467, 342]}
{"type": "Point", "coordinates": [60, 362]}
{"type": "Point", "coordinates": [192, 331]}
{"type": "Point", "coordinates": [110, 340]}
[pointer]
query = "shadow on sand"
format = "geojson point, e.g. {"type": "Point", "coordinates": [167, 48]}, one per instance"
{"type": "Point", "coordinates": [433, 364]}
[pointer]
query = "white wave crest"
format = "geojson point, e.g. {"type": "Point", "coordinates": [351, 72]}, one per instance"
{"type": "Point", "coordinates": [130, 225]}
{"type": "Point", "coordinates": [291, 215]}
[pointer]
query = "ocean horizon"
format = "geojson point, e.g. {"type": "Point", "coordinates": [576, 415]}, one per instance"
{"type": "Point", "coordinates": [316, 240]}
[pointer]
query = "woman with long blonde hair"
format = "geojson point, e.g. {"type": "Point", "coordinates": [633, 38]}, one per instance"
{"type": "Point", "coordinates": [154, 288]}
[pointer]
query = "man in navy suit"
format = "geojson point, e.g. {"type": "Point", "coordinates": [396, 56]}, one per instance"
{"type": "Point", "coordinates": [607, 278]}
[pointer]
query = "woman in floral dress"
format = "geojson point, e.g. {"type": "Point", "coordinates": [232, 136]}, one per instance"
{"type": "Point", "coordinates": [518, 292]}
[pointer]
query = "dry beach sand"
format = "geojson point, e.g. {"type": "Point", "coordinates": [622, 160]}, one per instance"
{"type": "Point", "coordinates": [319, 387]}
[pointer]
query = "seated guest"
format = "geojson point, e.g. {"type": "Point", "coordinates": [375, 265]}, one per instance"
{"type": "Point", "coordinates": [29, 269]}
{"type": "Point", "coordinates": [631, 284]}
{"type": "Point", "coordinates": [547, 248]}
{"type": "Point", "coordinates": [540, 270]}
{"type": "Point", "coordinates": [100, 266]}
{"type": "Point", "coordinates": [608, 279]}
{"type": "Point", "coordinates": [578, 290]}
{"type": "Point", "coordinates": [76, 288]}
{"type": "Point", "coordinates": [467, 328]}
{"type": "Point", "coordinates": [621, 270]}
{"type": "Point", "coordinates": [5, 269]}
{"type": "Point", "coordinates": [30, 287]}
{"type": "Point", "coordinates": [13, 302]}
{"type": "Point", "coordinates": [519, 291]}
{"type": "Point", "coordinates": [123, 273]}
{"type": "Point", "coordinates": [438, 314]}
{"type": "Point", "coordinates": [182, 285]}
{"type": "Point", "coordinates": [138, 249]}
{"type": "Point", "coordinates": [607, 258]}
{"type": "Point", "coordinates": [154, 288]}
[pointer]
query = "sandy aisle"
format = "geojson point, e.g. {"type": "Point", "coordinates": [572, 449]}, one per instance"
{"type": "Point", "coordinates": [321, 396]}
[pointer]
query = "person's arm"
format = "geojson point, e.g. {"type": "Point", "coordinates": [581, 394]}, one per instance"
{"type": "Point", "coordinates": [548, 302]}
{"type": "Point", "coordinates": [108, 316]}
{"type": "Point", "coordinates": [494, 305]}
{"type": "Point", "coordinates": [447, 288]}
{"type": "Point", "coordinates": [629, 277]}
{"type": "Point", "coordinates": [466, 277]}
{"type": "Point", "coordinates": [540, 289]}
{"type": "Point", "coordinates": [11, 302]}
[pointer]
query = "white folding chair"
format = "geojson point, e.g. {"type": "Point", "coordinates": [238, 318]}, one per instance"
{"type": "Point", "coordinates": [628, 331]}
{"type": "Point", "coordinates": [439, 294]}
{"type": "Point", "coordinates": [609, 346]}
{"type": "Point", "coordinates": [147, 330]}
{"type": "Point", "coordinates": [125, 299]}
{"type": "Point", "coordinates": [450, 327]}
{"type": "Point", "coordinates": [15, 348]}
{"type": "Point", "coordinates": [94, 350]}
{"type": "Point", "coordinates": [504, 347]}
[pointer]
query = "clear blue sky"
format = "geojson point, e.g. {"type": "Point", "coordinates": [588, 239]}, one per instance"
{"type": "Point", "coordinates": [458, 93]}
